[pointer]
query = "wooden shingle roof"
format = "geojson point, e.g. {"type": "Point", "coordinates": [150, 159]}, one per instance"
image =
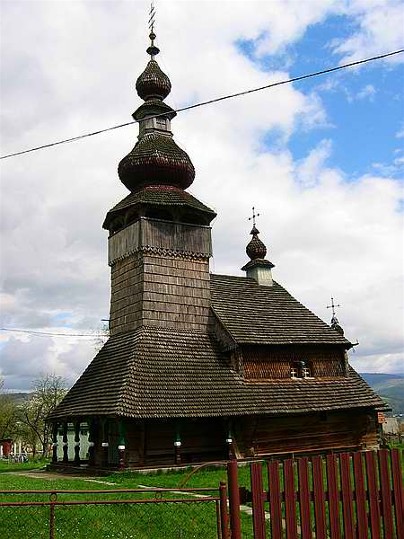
{"type": "Point", "coordinates": [155, 373]}
{"type": "Point", "coordinates": [255, 314]}
{"type": "Point", "coordinates": [164, 196]}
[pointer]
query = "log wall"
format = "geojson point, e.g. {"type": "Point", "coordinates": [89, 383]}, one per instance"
{"type": "Point", "coordinates": [151, 442]}
{"type": "Point", "coordinates": [263, 435]}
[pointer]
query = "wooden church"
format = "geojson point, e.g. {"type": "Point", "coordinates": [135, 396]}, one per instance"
{"type": "Point", "coordinates": [201, 367]}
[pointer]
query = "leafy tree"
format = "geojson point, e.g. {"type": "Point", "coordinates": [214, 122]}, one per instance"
{"type": "Point", "coordinates": [8, 414]}
{"type": "Point", "coordinates": [46, 394]}
{"type": "Point", "coordinates": [101, 335]}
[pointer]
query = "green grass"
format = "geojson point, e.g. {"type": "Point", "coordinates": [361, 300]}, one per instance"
{"type": "Point", "coordinates": [156, 521]}
{"type": "Point", "coordinates": [33, 464]}
{"type": "Point", "coordinates": [396, 445]}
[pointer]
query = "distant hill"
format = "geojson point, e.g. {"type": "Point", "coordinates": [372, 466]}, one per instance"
{"type": "Point", "coordinates": [390, 387]}
{"type": "Point", "coordinates": [18, 397]}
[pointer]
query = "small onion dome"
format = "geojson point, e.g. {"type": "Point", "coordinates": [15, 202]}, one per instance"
{"type": "Point", "coordinates": [256, 249]}
{"type": "Point", "coordinates": [335, 325]}
{"type": "Point", "coordinates": [156, 160]}
{"type": "Point", "coordinates": [153, 83]}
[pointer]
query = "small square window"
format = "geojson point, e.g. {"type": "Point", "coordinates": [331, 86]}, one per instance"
{"type": "Point", "coordinates": [161, 123]}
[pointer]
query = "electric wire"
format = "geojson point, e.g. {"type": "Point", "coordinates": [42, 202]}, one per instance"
{"type": "Point", "coordinates": [209, 102]}
{"type": "Point", "coordinates": [52, 334]}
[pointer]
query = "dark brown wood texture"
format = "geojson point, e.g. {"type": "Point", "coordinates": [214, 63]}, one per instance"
{"type": "Point", "coordinates": [153, 234]}
{"type": "Point", "coordinates": [263, 363]}
{"type": "Point", "coordinates": [263, 435]}
{"type": "Point", "coordinates": [151, 442]}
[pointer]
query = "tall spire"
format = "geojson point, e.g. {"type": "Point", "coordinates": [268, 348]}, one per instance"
{"type": "Point", "coordinates": [152, 50]}
{"type": "Point", "coordinates": [156, 159]}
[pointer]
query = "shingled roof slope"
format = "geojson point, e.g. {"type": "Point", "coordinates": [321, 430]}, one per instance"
{"type": "Point", "coordinates": [155, 373]}
{"type": "Point", "coordinates": [256, 314]}
{"type": "Point", "coordinates": [159, 196]}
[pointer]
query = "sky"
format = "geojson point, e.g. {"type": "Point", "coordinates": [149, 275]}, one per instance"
{"type": "Point", "coordinates": [321, 159]}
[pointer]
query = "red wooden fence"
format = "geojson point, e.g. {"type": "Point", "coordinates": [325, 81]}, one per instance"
{"type": "Point", "coordinates": [340, 496]}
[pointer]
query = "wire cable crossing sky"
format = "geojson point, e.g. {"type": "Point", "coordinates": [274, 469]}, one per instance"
{"type": "Point", "coordinates": [210, 102]}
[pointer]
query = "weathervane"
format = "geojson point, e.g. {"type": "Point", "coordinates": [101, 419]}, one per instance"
{"type": "Point", "coordinates": [254, 216]}
{"type": "Point", "coordinates": [152, 50]}
{"type": "Point", "coordinates": [152, 14]}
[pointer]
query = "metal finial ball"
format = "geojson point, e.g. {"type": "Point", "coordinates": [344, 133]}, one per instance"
{"type": "Point", "coordinates": [152, 35]}
{"type": "Point", "coordinates": [153, 50]}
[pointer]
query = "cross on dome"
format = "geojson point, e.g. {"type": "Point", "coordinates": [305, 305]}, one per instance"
{"type": "Point", "coordinates": [254, 216]}
{"type": "Point", "coordinates": [334, 320]}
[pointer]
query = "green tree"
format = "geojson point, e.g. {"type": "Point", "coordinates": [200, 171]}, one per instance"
{"type": "Point", "coordinates": [8, 414]}
{"type": "Point", "coordinates": [47, 392]}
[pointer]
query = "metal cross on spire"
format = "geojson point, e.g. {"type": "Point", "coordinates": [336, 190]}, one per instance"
{"type": "Point", "coordinates": [333, 306]}
{"type": "Point", "coordinates": [254, 216]}
{"type": "Point", "coordinates": [152, 14]}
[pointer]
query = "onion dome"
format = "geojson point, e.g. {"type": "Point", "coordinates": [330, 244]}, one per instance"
{"type": "Point", "coordinates": [256, 250]}
{"type": "Point", "coordinates": [153, 83]}
{"type": "Point", "coordinates": [335, 325]}
{"type": "Point", "coordinates": [155, 159]}
{"type": "Point", "coordinates": [258, 268]}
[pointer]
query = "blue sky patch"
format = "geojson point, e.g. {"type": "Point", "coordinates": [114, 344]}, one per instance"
{"type": "Point", "coordinates": [364, 106]}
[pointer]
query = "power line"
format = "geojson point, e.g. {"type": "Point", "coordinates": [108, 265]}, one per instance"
{"type": "Point", "coordinates": [51, 334]}
{"type": "Point", "coordinates": [209, 102]}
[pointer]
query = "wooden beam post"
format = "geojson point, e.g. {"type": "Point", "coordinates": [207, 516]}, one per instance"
{"type": "Point", "coordinates": [55, 442]}
{"type": "Point", "coordinates": [65, 443]}
{"type": "Point", "coordinates": [104, 443]}
{"type": "Point", "coordinates": [91, 444]}
{"type": "Point", "coordinates": [122, 445]}
{"type": "Point", "coordinates": [77, 443]}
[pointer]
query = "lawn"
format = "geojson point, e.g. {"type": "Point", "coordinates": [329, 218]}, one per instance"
{"type": "Point", "coordinates": [9, 466]}
{"type": "Point", "coordinates": [163, 519]}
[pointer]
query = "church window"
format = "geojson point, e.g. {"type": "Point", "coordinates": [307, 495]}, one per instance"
{"type": "Point", "coordinates": [300, 369]}
{"type": "Point", "coordinates": [161, 123]}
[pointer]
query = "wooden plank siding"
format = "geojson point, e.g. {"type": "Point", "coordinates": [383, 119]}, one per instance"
{"type": "Point", "coordinates": [261, 363]}
{"type": "Point", "coordinates": [265, 435]}
{"type": "Point", "coordinates": [151, 442]}
{"type": "Point", "coordinates": [157, 234]}
{"type": "Point", "coordinates": [160, 276]}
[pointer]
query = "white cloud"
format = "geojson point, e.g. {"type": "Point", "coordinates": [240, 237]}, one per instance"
{"type": "Point", "coordinates": [309, 170]}
{"type": "Point", "coordinates": [367, 92]}
{"type": "Point", "coordinates": [379, 29]}
{"type": "Point", "coordinates": [400, 133]}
